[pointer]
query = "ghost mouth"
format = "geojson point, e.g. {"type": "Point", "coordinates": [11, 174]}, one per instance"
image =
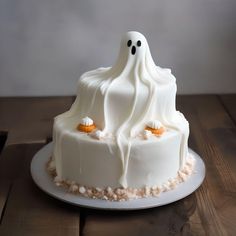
{"type": "Point", "coordinates": [133, 50]}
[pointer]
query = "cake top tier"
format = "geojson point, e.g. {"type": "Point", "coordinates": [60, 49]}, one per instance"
{"type": "Point", "coordinates": [123, 98]}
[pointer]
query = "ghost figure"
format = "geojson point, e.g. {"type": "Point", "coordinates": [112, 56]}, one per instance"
{"type": "Point", "coordinates": [122, 98]}
{"type": "Point", "coordinates": [134, 56]}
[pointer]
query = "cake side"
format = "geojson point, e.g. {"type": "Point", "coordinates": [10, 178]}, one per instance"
{"type": "Point", "coordinates": [93, 162]}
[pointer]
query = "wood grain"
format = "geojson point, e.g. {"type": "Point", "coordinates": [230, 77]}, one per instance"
{"type": "Point", "coordinates": [30, 120]}
{"type": "Point", "coordinates": [14, 163]}
{"type": "Point", "coordinates": [229, 103]}
{"type": "Point", "coordinates": [29, 211]}
{"type": "Point", "coordinates": [213, 136]}
{"type": "Point", "coordinates": [3, 138]}
{"type": "Point", "coordinates": [5, 186]}
{"type": "Point", "coordinates": [165, 220]}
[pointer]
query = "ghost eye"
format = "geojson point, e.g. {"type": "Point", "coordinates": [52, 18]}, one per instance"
{"type": "Point", "coordinates": [129, 43]}
{"type": "Point", "coordinates": [138, 43]}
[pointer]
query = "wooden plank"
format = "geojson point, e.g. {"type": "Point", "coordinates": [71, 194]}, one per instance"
{"type": "Point", "coordinates": [211, 209]}
{"type": "Point", "coordinates": [165, 220]}
{"type": "Point", "coordinates": [30, 120]}
{"type": "Point", "coordinates": [213, 136]}
{"type": "Point", "coordinates": [4, 192]}
{"type": "Point", "coordinates": [229, 102]}
{"type": "Point", "coordinates": [29, 211]}
{"type": "Point", "coordinates": [15, 160]}
{"type": "Point", "coordinates": [3, 138]}
{"type": "Point", "coordinates": [213, 133]}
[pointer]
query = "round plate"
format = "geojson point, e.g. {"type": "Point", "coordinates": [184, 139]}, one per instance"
{"type": "Point", "coordinates": [45, 182]}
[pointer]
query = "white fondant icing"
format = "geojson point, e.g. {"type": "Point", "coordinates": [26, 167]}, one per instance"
{"type": "Point", "coordinates": [154, 124]}
{"type": "Point", "coordinates": [86, 121]}
{"type": "Point", "coordinates": [122, 99]}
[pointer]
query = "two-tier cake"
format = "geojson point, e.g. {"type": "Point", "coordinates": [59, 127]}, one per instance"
{"type": "Point", "coordinates": [122, 137]}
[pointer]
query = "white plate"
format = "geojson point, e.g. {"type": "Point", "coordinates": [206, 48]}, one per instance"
{"type": "Point", "coordinates": [44, 182]}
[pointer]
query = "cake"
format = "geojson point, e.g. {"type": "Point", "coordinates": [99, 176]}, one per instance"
{"type": "Point", "coordinates": [122, 137]}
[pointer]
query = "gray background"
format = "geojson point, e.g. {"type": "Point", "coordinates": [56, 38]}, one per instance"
{"type": "Point", "coordinates": [45, 45]}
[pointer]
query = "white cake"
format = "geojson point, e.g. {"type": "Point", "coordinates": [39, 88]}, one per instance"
{"type": "Point", "coordinates": [122, 137]}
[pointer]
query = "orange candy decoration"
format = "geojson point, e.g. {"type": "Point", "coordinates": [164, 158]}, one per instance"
{"type": "Point", "coordinates": [156, 131]}
{"type": "Point", "coordinates": [86, 128]}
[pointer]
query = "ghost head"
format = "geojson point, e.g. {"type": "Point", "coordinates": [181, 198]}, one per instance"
{"type": "Point", "coordinates": [135, 43]}
{"type": "Point", "coordinates": [133, 49]}
{"type": "Point", "coordinates": [135, 58]}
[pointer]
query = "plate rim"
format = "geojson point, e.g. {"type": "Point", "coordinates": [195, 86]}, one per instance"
{"type": "Point", "coordinates": [44, 181]}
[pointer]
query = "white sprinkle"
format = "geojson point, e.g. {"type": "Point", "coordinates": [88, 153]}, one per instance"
{"type": "Point", "coordinates": [147, 134]}
{"type": "Point", "coordinates": [147, 190]}
{"type": "Point", "coordinates": [82, 189]}
{"type": "Point", "coordinates": [98, 189]}
{"type": "Point", "coordinates": [166, 187]}
{"type": "Point", "coordinates": [98, 134]}
{"type": "Point", "coordinates": [105, 197]}
{"type": "Point", "coordinates": [154, 187]}
{"type": "Point", "coordinates": [109, 190]}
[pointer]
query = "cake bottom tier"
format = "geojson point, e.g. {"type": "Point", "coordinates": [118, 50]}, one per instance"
{"type": "Point", "coordinates": [97, 163]}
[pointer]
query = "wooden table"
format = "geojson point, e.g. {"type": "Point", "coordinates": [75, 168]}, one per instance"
{"type": "Point", "coordinates": [26, 125]}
